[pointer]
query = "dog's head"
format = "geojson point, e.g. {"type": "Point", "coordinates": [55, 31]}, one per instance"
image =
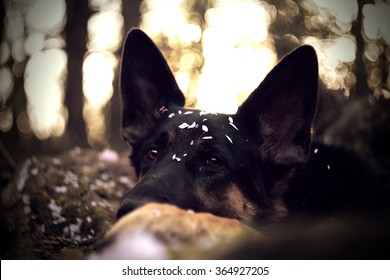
{"type": "Point", "coordinates": [235, 166]}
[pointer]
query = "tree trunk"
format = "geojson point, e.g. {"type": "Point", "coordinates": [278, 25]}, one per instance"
{"type": "Point", "coordinates": [76, 39]}
{"type": "Point", "coordinates": [361, 88]}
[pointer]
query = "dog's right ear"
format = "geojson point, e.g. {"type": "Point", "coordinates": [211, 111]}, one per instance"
{"type": "Point", "coordinates": [147, 85]}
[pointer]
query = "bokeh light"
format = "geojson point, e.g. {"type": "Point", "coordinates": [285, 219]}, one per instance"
{"type": "Point", "coordinates": [237, 53]}
{"type": "Point", "coordinates": [46, 16]}
{"type": "Point", "coordinates": [335, 57]}
{"type": "Point", "coordinates": [336, 15]}
{"type": "Point", "coordinates": [44, 76]}
{"type": "Point", "coordinates": [6, 119]}
{"type": "Point", "coordinates": [171, 18]}
{"type": "Point", "coordinates": [337, 51]}
{"type": "Point", "coordinates": [6, 84]}
{"type": "Point", "coordinates": [105, 32]}
{"type": "Point", "coordinates": [376, 21]}
{"type": "Point", "coordinates": [177, 30]}
{"type": "Point", "coordinates": [45, 70]}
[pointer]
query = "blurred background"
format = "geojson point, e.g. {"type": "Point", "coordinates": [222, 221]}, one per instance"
{"type": "Point", "coordinates": [59, 59]}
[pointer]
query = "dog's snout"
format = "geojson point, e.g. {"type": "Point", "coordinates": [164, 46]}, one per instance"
{"type": "Point", "coordinates": [153, 187]}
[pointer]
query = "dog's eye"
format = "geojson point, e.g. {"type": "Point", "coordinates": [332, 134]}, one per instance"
{"type": "Point", "coordinates": [151, 154]}
{"type": "Point", "coordinates": [214, 162]}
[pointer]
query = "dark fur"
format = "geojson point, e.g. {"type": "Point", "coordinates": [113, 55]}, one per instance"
{"type": "Point", "coordinates": [257, 165]}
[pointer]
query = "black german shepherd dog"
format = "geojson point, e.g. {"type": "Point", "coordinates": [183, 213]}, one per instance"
{"type": "Point", "coordinates": [256, 165]}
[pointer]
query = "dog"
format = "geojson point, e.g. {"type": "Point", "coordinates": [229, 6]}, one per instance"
{"type": "Point", "coordinates": [256, 165]}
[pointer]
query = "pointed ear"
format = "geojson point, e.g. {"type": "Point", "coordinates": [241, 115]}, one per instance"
{"type": "Point", "coordinates": [279, 113]}
{"type": "Point", "coordinates": [147, 84]}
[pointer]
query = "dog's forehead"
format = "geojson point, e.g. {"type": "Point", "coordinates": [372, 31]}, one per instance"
{"type": "Point", "coordinates": [201, 126]}
{"type": "Point", "coordinates": [188, 119]}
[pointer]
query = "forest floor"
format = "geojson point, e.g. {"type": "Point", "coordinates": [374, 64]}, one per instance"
{"type": "Point", "coordinates": [62, 205]}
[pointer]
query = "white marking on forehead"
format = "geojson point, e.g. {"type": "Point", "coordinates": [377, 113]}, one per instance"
{"type": "Point", "coordinates": [328, 166]}
{"type": "Point", "coordinates": [201, 113]}
{"type": "Point", "coordinates": [205, 128]}
{"type": "Point", "coordinates": [233, 125]}
{"type": "Point", "coordinates": [192, 125]}
{"type": "Point", "coordinates": [230, 139]}
{"type": "Point", "coordinates": [184, 125]}
{"type": "Point", "coordinates": [316, 150]}
{"type": "Point", "coordinates": [171, 115]}
{"type": "Point", "coordinates": [174, 157]}
{"type": "Point", "coordinates": [207, 137]}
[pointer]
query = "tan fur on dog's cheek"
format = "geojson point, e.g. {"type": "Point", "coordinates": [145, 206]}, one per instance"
{"type": "Point", "coordinates": [234, 205]}
{"type": "Point", "coordinates": [240, 207]}
{"type": "Point", "coordinates": [208, 202]}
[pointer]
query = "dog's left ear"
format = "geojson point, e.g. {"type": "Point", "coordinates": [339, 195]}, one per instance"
{"type": "Point", "coordinates": [279, 113]}
{"type": "Point", "coordinates": [147, 85]}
